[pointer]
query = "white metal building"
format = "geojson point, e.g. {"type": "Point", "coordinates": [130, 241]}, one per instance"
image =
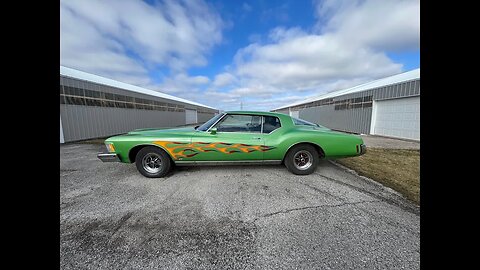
{"type": "Point", "coordinates": [387, 107]}
{"type": "Point", "coordinates": [92, 107]}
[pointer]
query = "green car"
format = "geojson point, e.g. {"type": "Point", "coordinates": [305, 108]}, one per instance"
{"type": "Point", "coordinates": [233, 138]}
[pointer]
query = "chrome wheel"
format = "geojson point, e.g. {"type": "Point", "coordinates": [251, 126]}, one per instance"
{"type": "Point", "coordinates": [303, 160]}
{"type": "Point", "coordinates": [152, 163]}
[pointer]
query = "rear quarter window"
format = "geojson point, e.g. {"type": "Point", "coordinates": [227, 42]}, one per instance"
{"type": "Point", "coordinates": [270, 124]}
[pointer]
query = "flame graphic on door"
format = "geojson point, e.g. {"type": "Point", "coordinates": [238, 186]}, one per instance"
{"type": "Point", "coordinates": [186, 150]}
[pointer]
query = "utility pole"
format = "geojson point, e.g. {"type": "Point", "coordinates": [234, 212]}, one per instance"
{"type": "Point", "coordinates": [241, 106]}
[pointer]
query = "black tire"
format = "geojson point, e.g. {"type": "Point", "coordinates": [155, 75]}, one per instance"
{"type": "Point", "coordinates": [159, 155]}
{"type": "Point", "coordinates": [304, 153]}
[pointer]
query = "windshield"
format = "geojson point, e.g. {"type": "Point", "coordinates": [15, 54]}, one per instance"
{"type": "Point", "coordinates": [210, 122]}
{"type": "Point", "coordinates": [300, 122]}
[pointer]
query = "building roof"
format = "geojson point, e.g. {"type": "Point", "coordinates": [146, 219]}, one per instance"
{"type": "Point", "coordinates": [402, 77]}
{"type": "Point", "coordinates": [70, 72]}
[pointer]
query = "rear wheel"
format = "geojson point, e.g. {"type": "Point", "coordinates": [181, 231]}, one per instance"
{"type": "Point", "coordinates": [302, 159]}
{"type": "Point", "coordinates": [153, 162]}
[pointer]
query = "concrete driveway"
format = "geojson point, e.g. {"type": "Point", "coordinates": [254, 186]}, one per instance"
{"type": "Point", "coordinates": [244, 217]}
{"type": "Point", "coordinates": [392, 143]}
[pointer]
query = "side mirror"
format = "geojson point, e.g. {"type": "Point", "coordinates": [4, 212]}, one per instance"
{"type": "Point", "coordinates": [213, 131]}
{"type": "Point", "coordinates": [196, 127]}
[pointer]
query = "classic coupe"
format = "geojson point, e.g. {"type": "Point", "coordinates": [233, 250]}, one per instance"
{"type": "Point", "coordinates": [236, 137]}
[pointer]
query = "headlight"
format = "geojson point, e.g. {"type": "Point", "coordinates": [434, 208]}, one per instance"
{"type": "Point", "coordinates": [110, 147]}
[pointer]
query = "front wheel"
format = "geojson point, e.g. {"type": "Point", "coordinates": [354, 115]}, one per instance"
{"type": "Point", "coordinates": [153, 162]}
{"type": "Point", "coordinates": [302, 159]}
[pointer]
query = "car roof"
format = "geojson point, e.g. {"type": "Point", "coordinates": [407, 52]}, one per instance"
{"type": "Point", "coordinates": [256, 113]}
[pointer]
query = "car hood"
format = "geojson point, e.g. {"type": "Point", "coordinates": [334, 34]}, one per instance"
{"type": "Point", "coordinates": [156, 131]}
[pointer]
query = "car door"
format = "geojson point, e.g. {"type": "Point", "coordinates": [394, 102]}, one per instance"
{"type": "Point", "coordinates": [273, 135]}
{"type": "Point", "coordinates": [238, 137]}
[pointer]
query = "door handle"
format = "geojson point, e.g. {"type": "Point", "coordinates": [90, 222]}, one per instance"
{"type": "Point", "coordinates": [256, 138]}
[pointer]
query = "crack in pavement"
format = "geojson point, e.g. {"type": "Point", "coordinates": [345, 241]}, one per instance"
{"type": "Point", "coordinates": [324, 192]}
{"type": "Point", "coordinates": [387, 221]}
{"type": "Point", "coordinates": [312, 207]}
{"type": "Point", "coordinates": [121, 222]}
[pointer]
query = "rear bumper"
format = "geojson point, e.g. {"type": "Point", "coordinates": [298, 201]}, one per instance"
{"type": "Point", "coordinates": [108, 157]}
{"type": "Point", "coordinates": [363, 149]}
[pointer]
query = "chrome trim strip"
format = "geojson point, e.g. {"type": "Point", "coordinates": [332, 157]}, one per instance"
{"type": "Point", "coordinates": [261, 124]}
{"type": "Point", "coordinates": [229, 162]}
{"type": "Point", "coordinates": [108, 157]}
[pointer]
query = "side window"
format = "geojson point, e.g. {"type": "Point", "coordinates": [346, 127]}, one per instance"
{"type": "Point", "coordinates": [240, 123]}
{"type": "Point", "coordinates": [271, 123]}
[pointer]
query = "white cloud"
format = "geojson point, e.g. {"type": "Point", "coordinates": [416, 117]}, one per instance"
{"type": "Point", "coordinates": [83, 47]}
{"type": "Point", "coordinates": [182, 84]}
{"type": "Point", "coordinates": [115, 38]}
{"type": "Point", "coordinates": [279, 34]}
{"type": "Point", "coordinates": [347, 47]}
{"type": "Point", "coordinates": [305, 61]}
{"type": "Point", "coordinates": [379, 24]}
{"type": "Point", "coordinates": [125, 40]}
{"type": "Point", "coordinates": [223, 79]}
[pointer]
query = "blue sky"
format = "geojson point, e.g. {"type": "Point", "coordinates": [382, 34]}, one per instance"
{"type": "Point", "coordinates": [262, 53]}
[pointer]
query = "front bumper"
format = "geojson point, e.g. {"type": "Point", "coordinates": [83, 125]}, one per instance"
{"type": "Point", "coordinates": [108, 157]}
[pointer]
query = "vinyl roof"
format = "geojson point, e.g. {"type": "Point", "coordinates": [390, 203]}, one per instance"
{"type": "Point", "coordinates": [402, 77]}
{"type": "Point", "coordinates": [77, 74]}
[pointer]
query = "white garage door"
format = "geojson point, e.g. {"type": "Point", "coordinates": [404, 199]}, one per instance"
{"type": "Point", "coordinates": [397, 118]}
{"type": "Point", "coordinates": [190, 116]}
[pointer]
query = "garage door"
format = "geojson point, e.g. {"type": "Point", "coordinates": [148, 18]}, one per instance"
{"type": "Point", "coordinates": [398, 118]}
{"type": "Point", "coordinates": [190, 116]}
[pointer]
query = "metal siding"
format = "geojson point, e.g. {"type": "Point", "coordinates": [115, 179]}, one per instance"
{"type": "Point", "coordinates": [75, 121]}
{"type": "Point", "coordinates": [65, 128]}
{"type": "Point", "coordinates": [390, 91]}
{"type": "Point", "coordinates": [62, 138]}
{"type": "Point", "coordinates": [84, 122]}
{"type": "Point", "coordinates": [351, 120]}
{"type": "Point", "coordinates": [70, 120]}
{"type": "Point", "coordinates": [204, 117]}
{"type": "Point", "coordinates": [90, 121]}
{"type": "Point", "coordinates": [357, 120]}
{"type": "Point", "coordinates": [417, 87]}
{"type": "Point", "coordinates": [67, 81]}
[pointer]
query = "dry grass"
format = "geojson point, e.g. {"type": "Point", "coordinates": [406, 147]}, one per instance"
{"type": "Point", "coordinates": [398, 169]}
{"type": "Point", "coordinates": [94, 141]}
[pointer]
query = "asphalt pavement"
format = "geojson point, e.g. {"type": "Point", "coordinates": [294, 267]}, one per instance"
{"type": "Point", "coordinates": [229, 217]}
